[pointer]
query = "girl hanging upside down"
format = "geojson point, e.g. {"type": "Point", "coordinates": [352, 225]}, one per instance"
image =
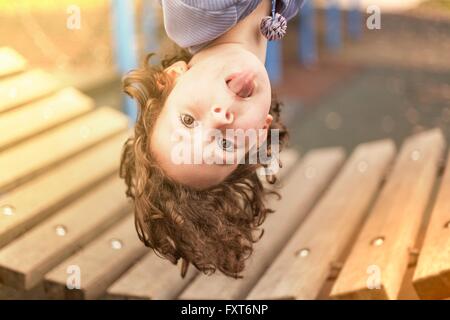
{"type": "Point", "coordinates": [205, 209]}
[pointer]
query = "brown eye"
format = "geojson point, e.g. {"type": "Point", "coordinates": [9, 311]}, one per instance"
{"type": "Point", "coordinates": [187, 120]}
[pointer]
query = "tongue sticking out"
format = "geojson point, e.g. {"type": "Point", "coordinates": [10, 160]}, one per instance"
{"type": "Point", "coordinates": [242, 83]}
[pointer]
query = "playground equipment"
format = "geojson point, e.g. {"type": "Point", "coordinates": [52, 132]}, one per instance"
{"type": "Point", "coordinates": [126, 44]}
{"type": "Point", "coordinates": [307, 34]}
{"type": "Point", "coordinates": [370, 226]}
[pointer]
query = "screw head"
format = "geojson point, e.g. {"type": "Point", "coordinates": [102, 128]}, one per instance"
{"type": "Point", "coordinates": [415, 155]}
{"type": "Point", "coordinates": [362, 166]}
{"type": "Point", "coordinates": [378, 241]}
{"type": "Point", "coordinates": [303, 253]}
{"type": "Point", "coordinates": [116, 244]}
{"type": "Point", "coordinates": [7, 210]}
{"type": "Point", "coordinates": [61, 230]}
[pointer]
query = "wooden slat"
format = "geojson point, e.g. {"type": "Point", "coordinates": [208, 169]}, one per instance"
{"type": "Point", "coordinates": [37, 199]}
{"type": "Point", "coordinates": [100, 263]}
{"type": "Point", "coordinates": [299, 192]}
{"type": "Point", "coordinates": [432, 276]}
{"type": "Point", "coordinates": [156, 278]}
{"type": "Point", "coordinates": [328, 228]}
{"type": "Point", "coordinates": [41, 115]}
{"type": "Point", "coordinates": [8, 293]}
{"type": "Point", "coordinates": [28, 158]}
{"type": "Point", "coordinates": [25, 87]}
{"type": "Point", "coordinates": [151, 278]}
{"type": "Point", "coordinates": [24, 261]}
{"type": "Point", "coordinates": [11, 62]}
{"type": "Point", "coordinates": [381, 253]}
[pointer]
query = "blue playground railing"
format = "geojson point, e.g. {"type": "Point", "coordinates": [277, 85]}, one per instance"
{"type": "Point", "coordinates": [307, 41]}
{"type": "Point", "coordinates": [333, 26]}
{"type": "Point", "coordinates": [355, 20]}
{"type": "Point", "coordinates": [307, 46]}
{"type": "Point", "coordinates": [125, 41]}
{"type": "Point", "coordinates": [125, 44]}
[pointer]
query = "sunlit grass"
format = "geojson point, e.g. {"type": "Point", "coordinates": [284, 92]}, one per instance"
{"type": "Point", "coordinates": [11, 6]}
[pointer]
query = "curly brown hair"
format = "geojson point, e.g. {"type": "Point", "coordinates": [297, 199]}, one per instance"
{"type": "Point", "coordinates": [211, 228]}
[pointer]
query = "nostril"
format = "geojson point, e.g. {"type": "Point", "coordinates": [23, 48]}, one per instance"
{"type": "Point", "coordinates": [227, 116]}
{"type": "Point", "coordinates": [217, 110]}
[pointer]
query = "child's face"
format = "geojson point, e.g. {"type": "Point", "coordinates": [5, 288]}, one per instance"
{"type": "Point", "coordinates": [229, 89]}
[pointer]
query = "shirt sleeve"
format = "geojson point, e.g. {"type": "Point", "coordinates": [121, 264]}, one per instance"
{"type": "Point", "coordinates": [189, 25]}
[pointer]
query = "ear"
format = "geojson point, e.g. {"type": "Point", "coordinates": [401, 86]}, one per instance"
{"type": "Point", "coordinates": [265, 130]}
{"type": "Point", "coordinates": [269, 119]}
{"type": "Point", "coordinates": [176, 69]}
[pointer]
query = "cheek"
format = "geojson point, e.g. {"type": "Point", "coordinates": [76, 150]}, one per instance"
{"type": "Point", "coordinates": [254, 120]}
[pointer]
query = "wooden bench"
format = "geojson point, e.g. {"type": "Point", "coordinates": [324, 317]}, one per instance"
{"type": "Point", "coordinates": [373, 226]}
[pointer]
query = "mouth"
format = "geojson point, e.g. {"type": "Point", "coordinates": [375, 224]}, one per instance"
{"type": "Point", "coordinates": [242, 83]}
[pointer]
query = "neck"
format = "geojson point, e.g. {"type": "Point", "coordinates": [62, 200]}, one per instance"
{"type": "Point", "coordinates": [245, 33]}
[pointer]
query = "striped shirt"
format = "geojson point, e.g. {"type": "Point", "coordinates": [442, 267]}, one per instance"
{"type": "Point", "coordinates": [192, 24]}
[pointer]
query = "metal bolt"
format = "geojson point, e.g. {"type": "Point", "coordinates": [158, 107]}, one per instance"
{"type": "Point", "coordinates": [61, 230]}
{"type": "Point", "coordinates": [378, 241]}
{"type": "Point", "coordinates": [7, 210]}
{"type": "Point", "coordinates": [415, 155]}
{"type": "Point", "coordinates": [303, 253]}
{"type": "Point", "coordinates": [116, 244]}
{"type": "Point", "coordinates": [362, 166]}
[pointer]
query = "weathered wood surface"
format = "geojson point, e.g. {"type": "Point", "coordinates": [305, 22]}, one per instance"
{"type": "Point", "coordinates": [432, 275]}
{"type": "Point", "coordinates": [379, 259]}
{"type": "Point", "coordinates": [302, 268]}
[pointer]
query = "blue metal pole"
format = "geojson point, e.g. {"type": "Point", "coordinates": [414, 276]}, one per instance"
{"type": "Point", "coordinates": [333, 25]}
{"type": "Point", "coordinates": [125, 44]}
{"type": "Point", "coordinates": [307, 31]}
{"type": "Point", "coordinates": [273, 61]}
{"type": "Point", "coordinates": [149, 26]}
{"type": "Point", "coordinates": [355, 20]}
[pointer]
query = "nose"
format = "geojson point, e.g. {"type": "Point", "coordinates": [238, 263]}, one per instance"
{"type": "Point", "coordinates": [222, 115]}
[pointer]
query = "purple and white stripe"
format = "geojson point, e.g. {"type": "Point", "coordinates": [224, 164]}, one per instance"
{"type": "Point", "coordinates": [192, 24]}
